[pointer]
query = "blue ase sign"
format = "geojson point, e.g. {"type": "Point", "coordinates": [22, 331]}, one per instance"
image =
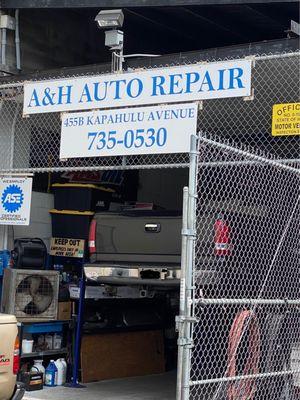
{"type": "Point", "coordinates": [15, 201]}
{"type": "Point", "coordinates": [12, 198]}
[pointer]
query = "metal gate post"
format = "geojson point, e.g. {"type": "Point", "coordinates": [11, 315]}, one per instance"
{"type": "Point", "coordinates": [180, 318]}
{"type": "Point", "coordinates": [185, 340]}
{"type": "Point", "coordinates": [76, 359]}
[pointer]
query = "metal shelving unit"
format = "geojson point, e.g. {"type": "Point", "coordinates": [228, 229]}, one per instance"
{"type": "Point", "coordinates": [45, 353]}
{"type": "Point", "coordinates": [39, 328]}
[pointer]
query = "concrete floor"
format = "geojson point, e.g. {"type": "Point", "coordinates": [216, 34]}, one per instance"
{"type": "Point", "coordinates": [153, 387]}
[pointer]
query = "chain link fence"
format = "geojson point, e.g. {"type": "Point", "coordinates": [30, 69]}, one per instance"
{"type": "Point", "coordinates": [239, 322]}
{"type": "Point", "coordinates": [32, 144]}
{"type": "Point", "coordinates": [239, 332]}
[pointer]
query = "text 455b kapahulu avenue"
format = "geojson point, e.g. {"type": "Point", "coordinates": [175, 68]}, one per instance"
{"type": "Point", "coordinates": [143, 130]}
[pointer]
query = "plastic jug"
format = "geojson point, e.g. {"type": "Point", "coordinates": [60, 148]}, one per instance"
{"type": "Point", "coordinates": [60, 372]}
{"type": "Point", "coordinates": [38, 366]}
{"type": "Point", "coordinates": [57, 341]}
{"type": "Point", "coordinates": [27, 346]}
{"type": "Point", "coordinates": [51, 374]}
{"type": "Point", "coordinates": [64, 363]}
{"type": "Point", "coordinates": [49, 342]}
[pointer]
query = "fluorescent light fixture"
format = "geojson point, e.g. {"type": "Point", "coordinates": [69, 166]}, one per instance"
{"type": "Point", "coordinates": [110, 19]}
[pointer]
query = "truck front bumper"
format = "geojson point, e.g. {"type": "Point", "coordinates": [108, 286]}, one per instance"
{"type": "Point", "coordinates": [19, 391]}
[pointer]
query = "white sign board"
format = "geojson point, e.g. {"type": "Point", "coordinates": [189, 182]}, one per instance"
{"type": "Point", "coordinates": [15, 201]}
{"type": "Point", "coordinates": [129, 131]}
{"type": "Point", "coordinates": [154, 86]}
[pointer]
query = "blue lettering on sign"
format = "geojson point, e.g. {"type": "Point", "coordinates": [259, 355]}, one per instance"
{"type": "Point", "coordinates": [164, 84]}
{"type": "Point", "coordinates": [85, 94]}
{"type": "Point", "coordinates": [221, 79]}
{"type": "Point", "coordinates": [117, 83]}
{"type": "Point", "coordinates": [97, 91]}
{"type": "Point", "coordinates": [48, 98]}
{"type": "Point", "coordinates": [64, 92]}
{"type": "Point", "coordinates": [233, 76]}
{"type": "Point", "coordinates": [34, 98]}
{"type": "Point", "coordinates": [63, 96]}
{"type": "Point", "coordinates": [12, 198]}
{"type": "Point", "coordinates": [192, 82]}
{"type": "Point", "coordinates": [134, 85]}
{"type": "Point", "coordinates": [157, 82]}
{"type": "Point", "coordinates": [207, 82]}
{"type": "Point", "coordinates": [101, 140]}
{"type": "Point", "coordinates": [152, 129]}
{"type": "Point", "coordinates": [191, 78]}
{"type": "Point", "coordinates": [175, 80]}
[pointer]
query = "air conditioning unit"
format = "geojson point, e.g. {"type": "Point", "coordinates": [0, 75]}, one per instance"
{"type": "Point", "coordinates": [30, 295]}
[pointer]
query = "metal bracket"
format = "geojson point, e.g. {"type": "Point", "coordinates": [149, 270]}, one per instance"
{"type": "Point", "coordinates": [180, 319]}
{"type": "Point", "coordinates": [188, 232]}
{"type": "Point", "coordinates": [200, 105]}
{"type": "Point", "coordinates": [184, 342]}
{"type": "Point", "coordinates": [251, 58]}
{"type": "Point", "coordinates": [251, 97]}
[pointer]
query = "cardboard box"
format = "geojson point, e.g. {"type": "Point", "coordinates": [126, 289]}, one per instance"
{"type": "Point", "coordinates": [64, 311]}
{"type": "Point", "coordinates": [122, 354]}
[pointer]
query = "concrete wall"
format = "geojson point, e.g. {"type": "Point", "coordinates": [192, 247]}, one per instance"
{"type": "Point", "coordinates": [55, 38]}
{"type": "Point", "coordinates": [40, 220]}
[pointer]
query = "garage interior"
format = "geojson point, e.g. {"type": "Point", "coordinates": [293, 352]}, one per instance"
{"type": "Point", "coordinates": [131, 329]}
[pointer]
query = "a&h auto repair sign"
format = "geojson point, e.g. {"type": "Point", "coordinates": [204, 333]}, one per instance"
{"type": "Point", "coordinates": [15, 201]}
{"type": "Point", "coordinates": [154, 86]}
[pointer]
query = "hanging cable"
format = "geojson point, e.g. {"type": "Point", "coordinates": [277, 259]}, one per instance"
{"type": "Point", "coordinates": [243, 389]}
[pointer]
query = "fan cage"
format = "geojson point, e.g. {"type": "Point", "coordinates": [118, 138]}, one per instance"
{"type": "Point", "coordinates": [13, 302]}
{"type": "Point", "coordinates": [39, 302]}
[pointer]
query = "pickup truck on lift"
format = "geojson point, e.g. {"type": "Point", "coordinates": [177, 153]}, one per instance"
{"type": "Point", "coordinates": [144, 248]}
{"type": "Point", "coordinates": [135, 247]}
{"type": "Point", "coordinates": [9, 359]}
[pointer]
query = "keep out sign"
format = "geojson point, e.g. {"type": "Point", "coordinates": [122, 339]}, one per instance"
{"type": "Point", "coordinates": [67, 247]}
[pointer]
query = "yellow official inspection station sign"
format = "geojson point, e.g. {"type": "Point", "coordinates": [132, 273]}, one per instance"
{"type": "Point", "coordinates": [286, 119]}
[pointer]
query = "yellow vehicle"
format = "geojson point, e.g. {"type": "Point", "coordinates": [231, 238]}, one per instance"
{"type": "Point", "coordinates": [9, 359]}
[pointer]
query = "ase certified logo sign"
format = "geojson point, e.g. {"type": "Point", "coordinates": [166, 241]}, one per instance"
{"type": "Point", "coordinates": [12, 198]}
{"type": "Point", "coordinates": [15, 200]}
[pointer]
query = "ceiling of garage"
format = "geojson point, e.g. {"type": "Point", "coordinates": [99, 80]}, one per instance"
{"type": "Point", "coordinates": [121, 3]}
{"type": "Point", "coordinates": [186, 28]}
{"type": "Point", "coordinates": [165, 30]}
{"type": "Point", "coordinates": [149, 27]}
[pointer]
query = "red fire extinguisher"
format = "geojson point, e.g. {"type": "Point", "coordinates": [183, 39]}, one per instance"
{"type": "Point", "coordinates": [222, 237]}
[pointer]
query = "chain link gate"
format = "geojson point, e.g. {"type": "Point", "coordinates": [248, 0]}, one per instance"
{"type": "Point", "coordinates": [239, 326]}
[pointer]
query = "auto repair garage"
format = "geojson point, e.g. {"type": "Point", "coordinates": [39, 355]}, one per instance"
{"type": "Point", "coordinates": [93, 272]}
